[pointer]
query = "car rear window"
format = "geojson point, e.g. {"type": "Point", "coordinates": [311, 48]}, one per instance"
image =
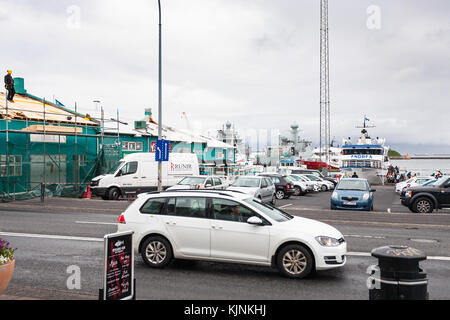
{"type": "Point", "coordinates": [153, 206]}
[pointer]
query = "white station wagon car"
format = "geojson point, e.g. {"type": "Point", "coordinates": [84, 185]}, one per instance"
{"type": "Point", "coordinates": [227, 226]}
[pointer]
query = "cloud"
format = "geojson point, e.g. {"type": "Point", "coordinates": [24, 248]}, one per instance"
{"type": "Point", "coordinates": [255, 63]}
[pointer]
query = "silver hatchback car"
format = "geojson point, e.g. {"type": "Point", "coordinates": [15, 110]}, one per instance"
{"type": "Point", "coordinates": [259, 187]}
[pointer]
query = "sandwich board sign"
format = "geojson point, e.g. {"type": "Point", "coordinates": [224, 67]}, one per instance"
{"type": "Point", "coordinates": [118, 277]}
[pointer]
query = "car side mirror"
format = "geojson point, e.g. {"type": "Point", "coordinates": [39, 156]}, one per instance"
{"type": "Point", "coordinates": [255, 221]}
{"type": "Point", "coordinates": [208, 185]}
{"type": "Point", "coordinates": [373, 190]}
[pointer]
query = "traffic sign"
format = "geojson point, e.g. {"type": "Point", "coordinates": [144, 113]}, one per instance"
{"type": "Point", "coordinates": [162, 150]}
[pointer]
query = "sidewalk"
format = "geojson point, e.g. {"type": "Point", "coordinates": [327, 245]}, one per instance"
{"type": "Point", "coordinates": [29, 293]}
{"type": "Point", "coordinates": [69, 205]}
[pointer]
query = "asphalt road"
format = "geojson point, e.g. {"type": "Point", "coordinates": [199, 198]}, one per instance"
{"type": "Point", "coordinates": [50, 241]}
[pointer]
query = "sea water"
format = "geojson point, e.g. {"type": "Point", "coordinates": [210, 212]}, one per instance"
{"type": "Point", "coordinates": [422, 167]}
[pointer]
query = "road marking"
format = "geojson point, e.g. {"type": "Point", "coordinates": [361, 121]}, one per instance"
{"type": "Point", "coordinates": [49, 236]}
{"type": "Point", "coordinates": [94, 222]}
{"type": "Point", "coordinates": [361, 236]}
{"type": "Point", "coordinates": [286, 205]}
{"type": "Point", "coordinates": [385, 213]}
{"type": "Point", "coordinates": [58, 237]}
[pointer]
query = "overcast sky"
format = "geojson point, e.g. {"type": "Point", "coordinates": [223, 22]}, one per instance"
{"type": "Point", "coordinates": [253, 62]}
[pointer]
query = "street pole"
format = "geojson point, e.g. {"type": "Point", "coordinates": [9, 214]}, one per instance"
{"type": "Point", "coordinates": [159, 100]}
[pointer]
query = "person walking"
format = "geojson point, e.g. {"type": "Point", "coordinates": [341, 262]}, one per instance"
{"type": "Point", "coordinates": [9, 85]}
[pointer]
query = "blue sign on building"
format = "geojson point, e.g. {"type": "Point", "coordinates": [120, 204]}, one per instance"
{"type": "Point", "coordinates": [162, 150]}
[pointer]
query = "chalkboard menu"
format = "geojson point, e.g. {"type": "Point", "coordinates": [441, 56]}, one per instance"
{"type": "Point", "coordinates": [118, 277]}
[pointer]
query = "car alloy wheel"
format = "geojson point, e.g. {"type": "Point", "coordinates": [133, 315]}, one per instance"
{"type": "Point", "coordinates": [295, 261]}
{"type": "Point", "coordinates": [156, 252]}
{"type": "Point", "coordinates": [297, 191]}
{"type": "Point", "coordinates": [324, 187]}
{"type": "Point", "coordinates": [424, 206]}
{"type": "Point", "coordinates": [280, 194]}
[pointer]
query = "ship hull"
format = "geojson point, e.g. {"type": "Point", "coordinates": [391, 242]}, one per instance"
{"type": "Point", "coordinates": [317, 165]}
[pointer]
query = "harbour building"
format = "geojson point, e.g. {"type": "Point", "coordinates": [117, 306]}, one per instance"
{"type": "Point", "coordinates": [46, 143]}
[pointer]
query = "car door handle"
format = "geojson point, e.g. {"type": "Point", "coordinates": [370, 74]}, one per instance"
{"type": "Point", "coordinates": [143, 177]}
{"type": "Point", "coordinates": [171, 223]}
{"type": "Point", "coordinates": [217, 227]}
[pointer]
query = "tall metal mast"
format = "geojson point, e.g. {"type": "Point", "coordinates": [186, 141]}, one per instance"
{"type": "Point", "coordinates": [325, 135]}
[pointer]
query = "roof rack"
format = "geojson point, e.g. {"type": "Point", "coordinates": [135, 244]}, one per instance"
{"type": "Point", "coordinates": [220, 192]}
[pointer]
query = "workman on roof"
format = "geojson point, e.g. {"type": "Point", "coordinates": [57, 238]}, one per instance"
{"type": "Point", "coordinates": [9, 85]}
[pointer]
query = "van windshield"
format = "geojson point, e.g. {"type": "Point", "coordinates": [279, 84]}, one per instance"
{"type": "Point", "coordinates": [115, 167]}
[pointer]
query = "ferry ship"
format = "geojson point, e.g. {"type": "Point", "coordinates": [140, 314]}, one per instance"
{"type": "Point", "coordinates": [368, 158]}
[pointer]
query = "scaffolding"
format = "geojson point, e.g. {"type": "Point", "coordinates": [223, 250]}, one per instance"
{"type": "Point", "coordinates": [53, 151]}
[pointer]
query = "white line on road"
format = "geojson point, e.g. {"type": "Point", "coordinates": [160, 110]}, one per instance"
{"type": "Point", "coordinates": [58, 237]}
{"type": "Point", "coordinates": [94, 222]}
{"type": "Point", "coordinates": [286, 205]}
{"type": "Point", "coordinates": [49, 236]}
{"type": "Point", "coordinates": [361, 236]}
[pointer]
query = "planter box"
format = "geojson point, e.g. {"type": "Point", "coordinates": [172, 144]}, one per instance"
{"type": "Point", "coordinates": [6, 272]}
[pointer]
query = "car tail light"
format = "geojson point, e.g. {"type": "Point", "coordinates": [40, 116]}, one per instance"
{"type": "Point", "coordinates": [288, 186]}
{"type": "Point", "coordinates": [121, 219]}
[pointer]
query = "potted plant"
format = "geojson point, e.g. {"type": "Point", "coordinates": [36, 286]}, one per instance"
{"type": "Point", "coordinates": [6, 264]}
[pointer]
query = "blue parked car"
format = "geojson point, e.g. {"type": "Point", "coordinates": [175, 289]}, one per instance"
{"type": "Point", "coordinates": [353, 194]}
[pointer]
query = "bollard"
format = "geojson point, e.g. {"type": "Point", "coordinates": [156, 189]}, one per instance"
{"type": "Point", "coordinates": [399, 276]}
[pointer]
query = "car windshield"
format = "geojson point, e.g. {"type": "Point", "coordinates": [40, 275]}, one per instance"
{"type": "Point", "coordinates": [191, 181]}
{"type": "Point", "coordinates": [313, 177]}
{"type": "Point", "coordinates": [272, 212]}
{"type": "Point", "coordinates": [358, 185]}
{"type": "Point", "coordinates": [115, 167]}
{"type": "Point", "coordinates": [289, 179]}
{"type": "Point", "coordinates": [246, 183]}
{"type": "Point", "coordinates": [441, 180]}
{"type": "Point", "coordinates": [317, 174]}
{"type": "Point", "coordinates": [295, 178]}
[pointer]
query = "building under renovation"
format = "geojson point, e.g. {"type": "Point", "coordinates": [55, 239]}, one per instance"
{"type": "Point", "coordinates": [45, 143]}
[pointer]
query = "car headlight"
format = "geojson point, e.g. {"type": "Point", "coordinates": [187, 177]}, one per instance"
{"type": "Point", "coordinates": [366, 196]}
{"type": "Point", "coordinates": [334, 195]}
{"type": "Point", "coordinates": [327, 241]}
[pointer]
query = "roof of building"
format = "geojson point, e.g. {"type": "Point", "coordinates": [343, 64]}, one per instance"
{"type": "Point", "coordinates": [28, 108]}
{"type": "Point", "coordinates": [171, 134]}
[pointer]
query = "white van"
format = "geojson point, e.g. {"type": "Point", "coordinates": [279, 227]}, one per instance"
{"type": "Point", "coordinates": [138, 172]}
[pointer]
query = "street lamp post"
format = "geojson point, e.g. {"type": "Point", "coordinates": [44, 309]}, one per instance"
{"type": "Point", "coordinates": [159, 99]}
